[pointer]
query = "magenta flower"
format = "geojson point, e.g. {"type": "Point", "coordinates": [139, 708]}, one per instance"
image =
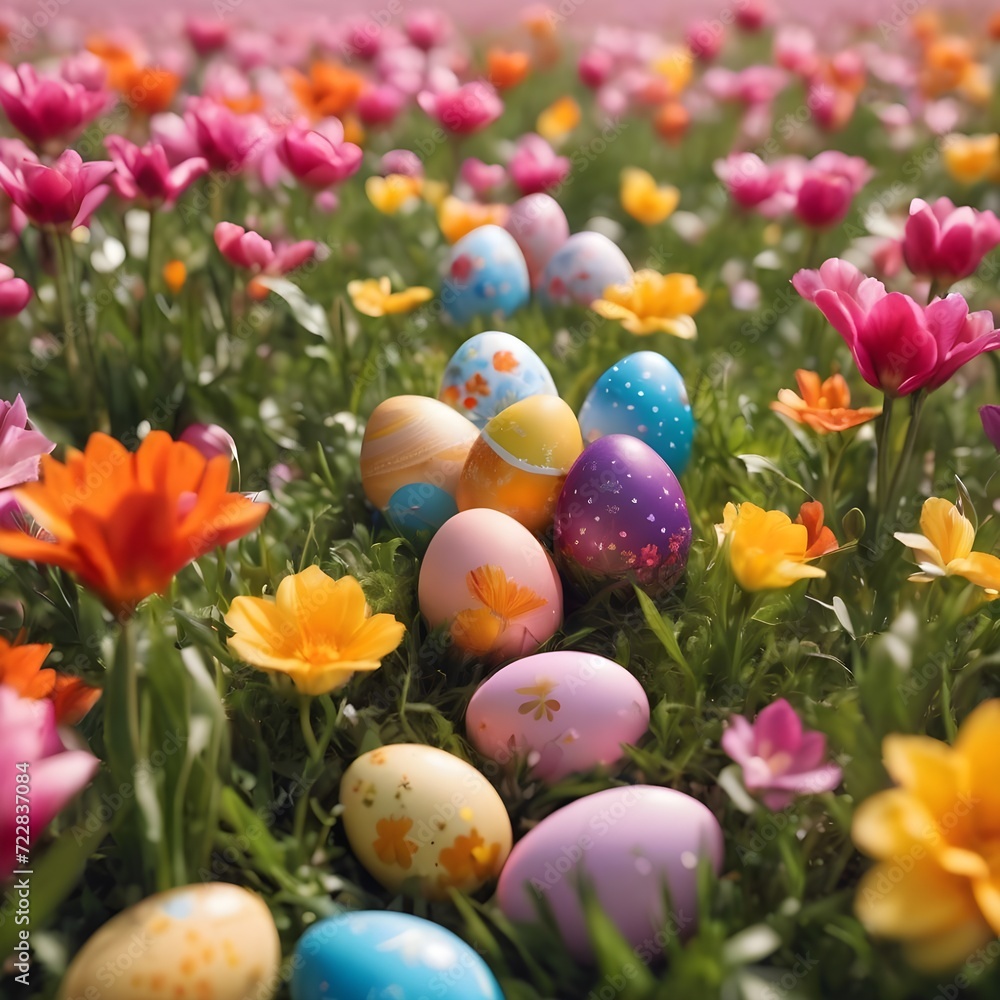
{"type": "Point", "coordinates": [427, 28]}
{"type": "Point", "coordinates": [482, 177]}
{"type": "Point", "coordinates": [535, 167]}
{"type": "Point", "coordinates": [85, 69]}
{"type": "Point", "coordinates": [704, 39]}
{"type": "Point", "coordinates": [227, 140]}
{"type": "Point", "coordinates": [15, 294]}
{"type": "Point", "coordinates": [205, 34]}
{"type": "Point", "coordinates": [401, 161]}
{"type": "Point", "coordinates": [380, 104]}
{"type": "Point", "coordinates": [43, 108]}
{"type": "Point", "coordinates": [252, 252]}
{"type": "Point", "coordinates": [143, 172]}
{"type": "Point", "coordinates": [827, 187]}
{"type": "Point", "coordinates": [595, 68]}
{"type": "Point", "coordinates": [795, 50]}
{"type": "Point", "coordinates": [947, 243]}
{"type": "Point", "coordinates": [210, 439]}
{"type": "Point", "coordinates": [780, 760]}
{"type": "Point", "coordinates": [318, 157]}
{"type": "Point", "coordinates": [752, 183]}
{"type": "Point", "coordinates": [176, 136]}
{"type": "Point", "coordinates": [750, 86]}
{"type": "Point", "coordinates": [65, 194]}
{"type": "Point", "coordinates": [21, 447]}
{"type": "Point", "coordinates": [990, 416]}
{"type": "Point", "coordinates": [463, 110]}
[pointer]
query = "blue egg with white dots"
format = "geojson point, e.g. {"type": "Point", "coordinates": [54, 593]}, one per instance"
{"type": "Point", "coordinates": [642, 395]}
{"type": "Point", "coordinates": [486, 274]}
{"type": "Point", "coordinates": [417, 510]}
{"type": "Point", "coordinates": [382, 955]}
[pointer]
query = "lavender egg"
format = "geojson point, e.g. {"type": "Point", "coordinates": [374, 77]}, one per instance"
{"type": "Point", "coordinates": [630, 843]}
{"type": "Point", "coordinates": [486, 274]}
{"type": "Point", "coordinates": [622, 515]}
{"type": "Point", "coordinates": [539, 225]}
{"type": "Point", "coordinates": [580, 270]}
{"type": "Point", "coordinates": [645, 396]}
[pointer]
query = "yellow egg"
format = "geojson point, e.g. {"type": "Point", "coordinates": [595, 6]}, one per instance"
{"type": "Point", "coordinates": [203, 942]}
{"type": "Point", "coordinates": [415, 814]}
{"type": "Point", "coordinates": [413, 439]}
{"type": "Point", "coordinates": [519, 462]}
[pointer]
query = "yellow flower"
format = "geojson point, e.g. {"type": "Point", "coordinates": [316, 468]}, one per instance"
{"type": "Point", "coordinates": [643, 200]}
{"type": "Point", "coordinates": [558, 120]}
{"type": "Point", "coordinates": [936, 838]}
{"type": "Point", "coordinates": [375, 297]}
{"type": "Point", "coordinates": [457, 218]}
{"type": "Point", "coordinates": [434, 192]}
{"type": "Point", "coordinates": [972, 158]}
{"type": "Point", "coordinates": [653, 301]}
{"type": "Point", "coordinates": [389, 194]}
{"type": "Point", "coordinates": [767, 551]}
{"type": "Point", "coordinates": [319, 631]}
{"type": "Point", "coordinates": [945, 548]}
{"type": "Point", "coordinates": [675, 67]}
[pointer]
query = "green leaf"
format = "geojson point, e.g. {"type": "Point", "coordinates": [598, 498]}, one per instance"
{"type": "Point", "coordinates": [662, 628]}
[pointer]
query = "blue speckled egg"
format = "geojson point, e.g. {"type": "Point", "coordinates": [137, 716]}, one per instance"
{"type": "Point", "coordinates": [417, 511]}
{"type": "Point", "coordinates": [642, 395]}
{"type": "Point", "coordinates": [381, 955]}
{"type": "Point", "coordinates": [486, 274]}
{"type": "Point", "coordinates": [491, 371]}
{"type": "Point", "coordinates": [580, 270]}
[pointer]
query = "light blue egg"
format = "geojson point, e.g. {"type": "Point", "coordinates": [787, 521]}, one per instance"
{"type": "Point", "coordinates": [642, 395]}
{"type": "Point", "coordinates": [489, 372]}
{"type": "Point", "coordinates": [580, 270]}
{"type": "Point", "coordinates": [378, 955]}
{"type": "Point", "coordinates": [417, 510]}
{"type": "Point", "coordinates": [486, 274]}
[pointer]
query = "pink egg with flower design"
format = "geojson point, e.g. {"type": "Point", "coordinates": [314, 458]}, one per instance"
{"type": "Point", "coordinates": [538, 224]}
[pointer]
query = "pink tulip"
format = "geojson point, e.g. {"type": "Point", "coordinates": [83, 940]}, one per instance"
{"type": "Point", "coordinates": [595, 68]}
{"type": "Point", "coordinates": [210, 439]}
{"type": "Point", "coordinates": [143, 172]}
{"type": "Point", "coordinates": [65, 194]}
{"type": "Point", "coordinates": [752, 15]}
{"type": "Point", "coordinates": [318, 157]}
{"type": "Point", "coordinates": [750, 86]}
{"type": "Point", "coordinates": [380, 104]}
{"type": "Point", "coordinates": [946, 243]}
{"type": "Point", "coordinates": [43, 108]}
{"type": "Point", "coordinates": [252, 252]}
{"type": "Point", "coordinates": [227, 140]}
{"type": "Point", "coordinates": [15, 294]}
{"type": "Point", "coordinates": [21, 447]}
{"type": "Point", "coordinates": [465, 109]}
{"type": "Point", "coordinates": [205, 34]}
{"type": "Point", "coordinates": [401, 161]}
{"type": "Point", "coordinates": [795, 50]}
{"type": "Point", "coordinates": [828, 187]}
{"type": "Point", "coordinates": [704, 39]}
{"type": "Point", "coordinates": [427, 28]}
{"type": "Point", "coordinates": [176, 136]}
{"type": "Point", "coordinates": [55, 774]}
{"type": "Point", "coordinates": [482, 177]}
{"type": "Point", "coordinates": [358, 36]}
{"type": "Point", "coordinates": [86, 69]}
{"type": "Point", "coordinates": [752, 183]}
{"type": "Point", "coordinates": [780, 760]}
{"type": "Point", "coordinates": [535, 166]}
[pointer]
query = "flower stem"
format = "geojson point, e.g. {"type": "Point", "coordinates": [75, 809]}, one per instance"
{"type": "Point", "coordinates": [903, 465]}
{"type": "Point", "coordinates": [145, 312]}
{"type": "Point", "coordinates": [883, 435]}
{"type": "Point", "coordinates": [305, 704]}
{"type": "Point", "coordinates": [66, 312]}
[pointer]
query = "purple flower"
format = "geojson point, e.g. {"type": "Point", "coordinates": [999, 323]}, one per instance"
{"type": "Point", "coordinates": [990, 416]}
{"type": "Point", "coordinates": [210, 439]}
{"type": "Point", "coordinates": [145, 171]}
{"type": "Point", "coordinates": [780, 759]}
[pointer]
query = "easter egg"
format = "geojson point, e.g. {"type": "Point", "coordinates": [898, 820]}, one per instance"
{"type": "Point", "coordinates": [642, 395]}
{"type": "Point", "coordinates": [489, 372]}
{"type": "Point", "coordinates": [622, 516]}
{"type": "Point", "coordinates": [629, 843]}
{"type": "Point", "coordinates": [492, 583]}
{"type": "Point", "coordinates": [539, 225]}
{"type": "Point", "coordinates": [486, 274]}
{"type": "Point", "coordinates": [413, 439]}
{"type": "Point", "coordinates": [571, 711]}
{"type": "Point", "coordinates": [210, 940]}
{"type": "Point", "coordinates": [520, 459]}
{"type": "Point", "coordinates": [580, 270]}
{"type": "Point", "coordinates": [381, 954]}
{"type": "Point", "coordinates": [418, 510]}
{"type": "Point", "coordinates": [415, 814]}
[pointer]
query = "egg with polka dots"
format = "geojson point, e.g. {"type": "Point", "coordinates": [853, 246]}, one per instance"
{"type": "Point", "coordinates": [622, 516]}
{"type": "Point", "coordinates": [642, 395]}
{"type": "Point", "coordinates": [213, 941]}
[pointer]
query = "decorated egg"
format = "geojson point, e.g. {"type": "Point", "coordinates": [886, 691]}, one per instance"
{"type": "Point", "coordinates": [622, 516]}
{"type": "Point", "coordinates": [492, 583]}
{"type": "Point", "coordinates": [642, 395]}
{"type": "Point", "coordinates": [539, 225]}
{"type": "Point", "coordinates": [580, 270]}
{"type": "Point", "coordinates": [566, 711]}
{"type": "Point", "coordinates": [211, 940]}
{"type": "Point", "coordinates": [520, 459]}
{"type": "Point", "coordinates": [630, 843]}
{"type": "Point", "coordinates": [418, 510]}
{"type": "Point", "coordinates": [413, 439]}
{"type": "Point", "coordinates": [415, 814]}
{"type": "Point", "coordinates": [381, 954]}
{"type": "Point", "coordinates": [489, 372]}
{"type": "Point", "coordinates": [486, 274]}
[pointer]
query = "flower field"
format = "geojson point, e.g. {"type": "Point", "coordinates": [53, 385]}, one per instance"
{"type": "Point", "coordinates": [500, 514]}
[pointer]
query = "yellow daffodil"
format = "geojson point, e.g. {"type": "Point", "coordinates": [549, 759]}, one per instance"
{"type": "Point", "coordinates": [972, 158]}
{"type": "Point", "coordinates": [767, 550]}
{"type": "Point", "coordinates": [644, 200]}
{"type": "Point", "coordinates": [458, 218]}
{"type": "Point", "coordinates": [945, 548]}
{"type": "Point", "coordinates": [936, 838]}
{"type": "Point", "coordinates": [558, 120]}
{"type": "Point", "coordinates": [652, 301]}
{"type": "Point", "coordinates": [389, 194]}
{"type": "Point", "coordinates": [319, 631]}
{"type": "Point", "coordinates": [375, 297]}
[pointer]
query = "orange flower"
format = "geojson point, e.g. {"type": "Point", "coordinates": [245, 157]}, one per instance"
{"type": "Point", "coordinates": [672, 121]}
{"type": "Point", "coordinates": [477, 629]}
{"type": "Point", "coordinates": [21, 669]}
{"type": "Point", "coordinates": [246, 104]}
{"type": "Point", "coordinates": [126, 523]}
{"type": "Point", "coordinates": [457, 218]}
{"type": "Point", "coordinates": [477, 385]}
{"type": "Point", "coordinates": [819, 539]}
{"type": "Point", "coordinates": [392, 847]}
{"type": "Point", "coordinates": [148, 89]}
{"type": "Point", "coordinates": [174, 275]}
{"type": "Point", "coordinates": [947, 63]}
{"type": "Point", "coordinates": [823, 406]}
{"type": "Point", "coordinates": [506, 69]}
{"type": "Point", "coordinates": [330, 89]}
{"type": "Point", "coordinates": [117, 59]}
{"type": "Point", "coordinates": [504, 361]}
{"type": "Point", "coordinates": [469, 859]}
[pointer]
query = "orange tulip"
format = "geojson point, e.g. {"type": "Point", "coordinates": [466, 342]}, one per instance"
{"type": "Point", "coordinates": [820, 539]}
{"type": "Point", "coordinates": [823, 406]}
{"type": "Point", "coordinates": [21, 669]}
{"type": "Point", "coordinates": [330, 89]}
{"type": "Point", "coordinates": [126, 523]}
{"type": "Point", "coordinates": [506, 69]}
{"type": "Point", "coordinates": [672, 121]}
{"type": "Point", "coordinates": [117, 58]}
{"type": "Point", "coordinates": [149, 89]}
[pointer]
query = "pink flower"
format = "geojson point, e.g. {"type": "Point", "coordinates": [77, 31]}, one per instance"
{"type": "Point", "coordinates": [144, 172]}
{"type": "Point", "coordinates": [251, 251]}
{"type": "Point", "coordinates": [56, 774]}
{"type": "Point", "coordinates": [465, 109]}
{"type": "Point", "coordinates": [65, 194]}
{"type": "Point", "coordinates": [704, 39]}
{"type": "Point", "coordinates": [595, 68]}
{"type": "Point", "coordinates": [85, 69]}
{"type": "Point", "coordinates": [947, 243]}
{"type": "Point", "coordinates": [535, 166]}
{"type": "Point", "coordinates": [15, 294]}
{"type": "Point", "coordinates": [780, 760]}
{"type": "Point", "coordinates": [20, 446]}
{"type": "Point", "coordinates": [990, 416]}
{"type": "Point", "coordinates": [319, 157]}
{"type": "Point", "coordinates": [380, 104]}
{"type": "Point", "coordinates": [210, 439]}
{"type": "Point", "coordinates": [753, 85]}
{"type": "Point", "coordinates": [176, 136]}
{"type": "Point", "coordinates": [752, 15]}
{"type": "Point", "coordinates": [401, 161]}
{"type": "Point", "coordinates": [795, 50]}
{"type": "Point", "coordinates": [206, 34]}
{"type": "Point", "coordinates": [828, 186]}
{"type": "Point", "coordinates": [227, 140]}
{"type": "Point", "coordinates": [427, 28]}
{"type": "Point", "coordinates": [482, 177]}
{"type": "Point", "coordinates": [752, 183]}
{"type": "Point", "coordinates": [44, 108]}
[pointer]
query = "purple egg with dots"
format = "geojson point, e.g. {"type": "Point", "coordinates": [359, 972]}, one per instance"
{"type": "Point", "coordinates": [622, 516]}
